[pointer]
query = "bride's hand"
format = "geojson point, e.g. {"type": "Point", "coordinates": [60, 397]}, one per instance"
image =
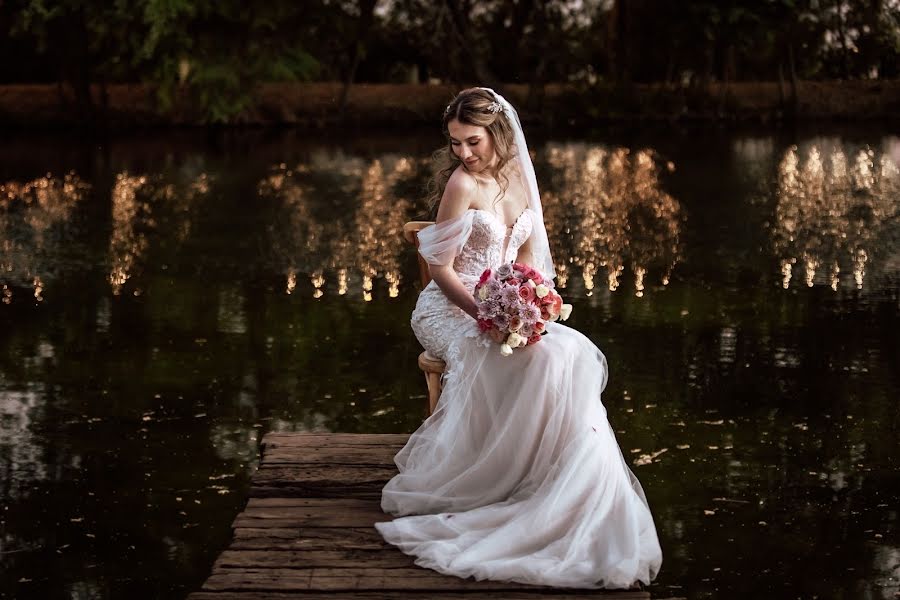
{"type": "Point", "coordinates": [447, 279]}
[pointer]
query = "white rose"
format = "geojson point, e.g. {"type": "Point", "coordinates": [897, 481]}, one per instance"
{"type": "Point", "coordinates": [531, 283]}
{"type": "Point", "coordinates": [515, 340]}
{"type": "Point", "coordinates": [505, 349]}
{"type": "Point", "coordinates": [565, 311]}
{"type": "Point", "coordinates": [482, 293]}
{"type": "Point", "coordinates": [541, 290]}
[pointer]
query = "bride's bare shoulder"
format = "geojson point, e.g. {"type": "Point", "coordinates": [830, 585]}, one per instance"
{"type": "Point", "coordinates": [458, 195]}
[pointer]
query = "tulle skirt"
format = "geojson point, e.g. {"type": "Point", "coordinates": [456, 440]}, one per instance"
{"type": "Point", "coordinates": [517, 476]}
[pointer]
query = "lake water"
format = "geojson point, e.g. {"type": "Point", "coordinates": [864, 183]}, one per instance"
{"type": "Point", "coordinates": [166, 299]}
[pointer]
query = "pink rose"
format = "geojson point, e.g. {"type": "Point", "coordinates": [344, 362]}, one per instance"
{"type": "Point", "coordinates": [526, 293]}
{"type": "Point", "coordinates": [539, 327]}
{"type": "Point", "coordinates": [556, 307]}
{"type": "Point", "coordinates": [484, 324]}
{"type": "Point", "coordinates": [515, 323]}
{"type": "Point", "coordinates": [520, 267]}
{"type": "Point", "coordinates": [536, 277]}
{"type": "Point", "coordinates": [534, 339]}
{"type": "Point", "coordinates": [545, 315]}
{"type": "Point", "coordinates": [484, 276]}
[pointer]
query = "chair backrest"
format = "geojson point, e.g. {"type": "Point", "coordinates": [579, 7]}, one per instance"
{"type": "Point", "coordinates": [409, 234]}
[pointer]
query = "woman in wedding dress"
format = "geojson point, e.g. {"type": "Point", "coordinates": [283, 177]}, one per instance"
{"type": "Point", "coordinates": [517, 475]}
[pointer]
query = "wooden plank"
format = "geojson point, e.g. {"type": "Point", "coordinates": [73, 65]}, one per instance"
{"type": "Point", "coordinates": [290, 516]}
{"type": "Point", "coordinates": [320, 481]}
{"type": "Point", "coordinates": [334, 440]}
{"type": "Point", "coordinates": [348, 503]}
{"type": "Point", "coordinates": [306, 559]}
{"type": "Point", "coordinates": [371, 491]}
{"type": "Point", "coordinates": [309, 538]}
{"type": "Point", "coordinates": [348, 579]}
{"type": "Point", "coordinates": [343, 455]}
{"type": "Point", "coordinates": [324, 474]}
{"type": "Point", "coordinates": [432, 594]}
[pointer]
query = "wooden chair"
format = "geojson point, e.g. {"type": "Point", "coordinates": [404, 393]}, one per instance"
{"type": "Point", "coordinates": [432, 366]}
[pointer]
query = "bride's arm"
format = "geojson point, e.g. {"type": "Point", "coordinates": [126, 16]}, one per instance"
{"type": "Point", "coordinates": [454, 202]}
{"type": "Point", "coordinates": [524, 255]}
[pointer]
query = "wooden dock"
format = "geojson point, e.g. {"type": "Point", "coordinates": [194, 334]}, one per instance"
{"type": "Point", "coordinates": [307, 532]}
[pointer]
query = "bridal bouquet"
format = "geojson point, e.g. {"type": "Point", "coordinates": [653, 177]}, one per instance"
{"type": "Point", "coordinates": [514, 304]}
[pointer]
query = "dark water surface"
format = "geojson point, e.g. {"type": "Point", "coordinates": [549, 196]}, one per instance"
{"type": "Point", "coordinates": [168, 299]}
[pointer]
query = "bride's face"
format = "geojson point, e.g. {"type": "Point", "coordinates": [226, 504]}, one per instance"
{"type": "Point", "coordinates": [472, 144]}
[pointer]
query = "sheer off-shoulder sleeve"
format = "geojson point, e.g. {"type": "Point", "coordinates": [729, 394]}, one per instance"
{"type": "Point", "coordinates": [440, 243]}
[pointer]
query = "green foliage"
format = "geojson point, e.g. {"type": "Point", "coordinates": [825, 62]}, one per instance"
{"type": "Point", "coordinates": [211, 55]}
{"type": "Point", "coordinates": [217, 51]}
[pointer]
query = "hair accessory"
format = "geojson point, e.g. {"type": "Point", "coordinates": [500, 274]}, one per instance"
{"type": "Point", "coordinates": [495, 107]}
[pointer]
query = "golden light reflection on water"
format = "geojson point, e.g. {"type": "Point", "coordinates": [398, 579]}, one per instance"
{"type": "Point", "coordinates": [832, 212]}
{"type": "Point", "coordinates": [360, 247]}
{"type": "Point", "coordinates": [28, 213]}
{"type": "Point", "coordinates": [606, 210]}
{"type": "Point", "coordinates": [140, 204]}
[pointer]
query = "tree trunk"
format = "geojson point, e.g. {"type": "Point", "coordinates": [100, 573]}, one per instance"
{"type": "Point", "coordinates": [781, 95]}
{"type": "Point", "coordinates": [795, 100]}
{"type": "Point", "coordinates": [80, 71]}
{"type": "Point", "coordinates": [621, 56]}
{"type": "Point", "coordinates": [463, 28]}
{"type": "Point", "coordinates": [366, 15]}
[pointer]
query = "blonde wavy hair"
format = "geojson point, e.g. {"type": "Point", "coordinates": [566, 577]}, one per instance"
{"type": "Point", "coordinates": [474, 106]}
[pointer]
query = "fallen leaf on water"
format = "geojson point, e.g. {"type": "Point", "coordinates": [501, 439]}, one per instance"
{"type": "Point", "coordinates": [646, 459]}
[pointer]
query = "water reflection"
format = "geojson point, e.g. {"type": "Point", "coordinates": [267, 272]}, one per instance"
{"type": "Point", "coordinates": [762, 427]}
{"type": "Point", "coordinates": [357, 242]}
{"type": "Point", "coordinates": [606, 209]}
{"type": "Point", "coordinates": [142, 204]}
{"type": "Point", "coordinates": [835, 214]}
{"type": "Point", "coordinates": [32, 219]}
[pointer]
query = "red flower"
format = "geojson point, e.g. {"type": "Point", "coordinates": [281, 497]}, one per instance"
{"type": "Point", "coordinates": [534, 339]}
{"type": "Point", "coordinates": [485, 324]}
{"type": "Point", "coordinates": [484, 276]}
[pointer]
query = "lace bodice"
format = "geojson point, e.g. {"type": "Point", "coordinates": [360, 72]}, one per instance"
{"type": "Point", "coordinates": [487, 241]}
{"type": "Point", "coordinates": [475, 241]}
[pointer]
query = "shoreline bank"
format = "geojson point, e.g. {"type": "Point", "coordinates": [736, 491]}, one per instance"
{"type": "Point", "coordinates": [316, 105]}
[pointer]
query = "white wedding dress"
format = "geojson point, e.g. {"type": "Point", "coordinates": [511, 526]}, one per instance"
{"type": "Point", "coordinates": [517, 475]}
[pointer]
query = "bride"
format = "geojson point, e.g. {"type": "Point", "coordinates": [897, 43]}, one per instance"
{"type": "Point", "coordinates": [517, 475]}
